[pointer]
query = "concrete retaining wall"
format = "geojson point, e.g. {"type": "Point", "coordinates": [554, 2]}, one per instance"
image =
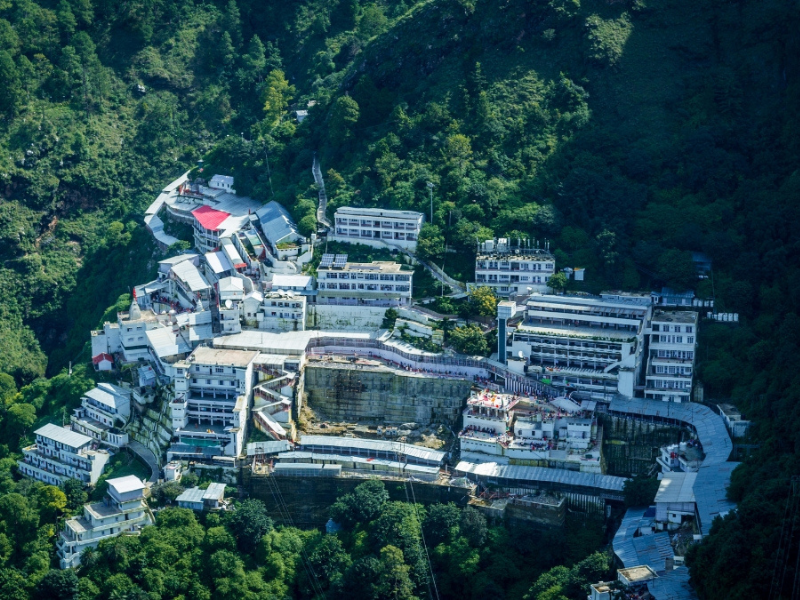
{"type": "Point", "coordinates": [348, 393]}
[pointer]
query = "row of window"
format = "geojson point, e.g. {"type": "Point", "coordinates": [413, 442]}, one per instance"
{"type": "Point", "coordinates": [197, 369]}
{"type": "Point", "coordinates": [513, 266]}
{"type": "Point", "coordinates": [673, 328]}
{"type": "Point", "coordinates": [379, 224]}
{"type": "Point", "coordinates": [506, 278]}
{"type": "Point", "coordinates": [229, 382]}
{"type": "Point", "coordinates": [668, 384]}
{"type": "Point", "coordinates": [364, 276]}
{"type": "Point", "coordinates": [674, 339]}
{"type": "Point", "coordinates": [679, 354]}
{"type": "Point", "coordinates": [385, 235]}
{"type": "Point", "coordinates": [369, 287]}
{"type": "Point", "coordinates": [673, 370]}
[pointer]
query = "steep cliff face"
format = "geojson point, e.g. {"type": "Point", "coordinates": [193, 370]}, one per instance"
{"type": "Point", "coordinates": [380, 395]}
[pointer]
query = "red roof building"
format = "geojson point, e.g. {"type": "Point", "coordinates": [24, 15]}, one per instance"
{"type": "Point", "coordinates": [103, 361]}
{"type": "Point", "coordinates": [209, 218]}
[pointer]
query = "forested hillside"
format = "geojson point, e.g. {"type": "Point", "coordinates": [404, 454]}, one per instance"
{"type": "Point", "coordinates": [629, 133]}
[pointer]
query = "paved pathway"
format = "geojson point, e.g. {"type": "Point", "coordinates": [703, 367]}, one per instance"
{"type": "Point", "coordinates": [148, 457]}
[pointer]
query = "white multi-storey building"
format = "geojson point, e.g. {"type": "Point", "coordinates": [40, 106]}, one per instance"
{"type": "Point", "coordinates": [377, 226]}
{"type": "Point", "coordinates": [128, 336]}
{"type": "Point", "coordinates": [102, 411]}
{"type": "Point", "coordinates": [123, 511]}
{"type": "Point", "coordinates": [278, 311]}
{"type": "Point", "coordinates": [60, 454]}
{"type": "Point", "coordinates": [381, 283]}
{"type": "Point", "coordinates": [670, 364]}
{"type": "Point", "coordinates": [511, 270]}
{"type": "Point", "coordinates": [585, 343]}
{"type": "Point", "coordinates": [527, 431]}
{"type": "Point", "coordinates": [213, 394]}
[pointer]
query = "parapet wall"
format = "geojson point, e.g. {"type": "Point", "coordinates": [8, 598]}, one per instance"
{"type": "Point", "coordinates": [350, 393]}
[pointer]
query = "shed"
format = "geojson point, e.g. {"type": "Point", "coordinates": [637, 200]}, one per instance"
{"type": "Point", "coordinates": [103, 362]}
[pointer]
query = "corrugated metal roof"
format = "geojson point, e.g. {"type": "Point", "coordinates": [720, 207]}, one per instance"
{"type": "Point", "coordinates": [191, 276]}
{"type": "Point", "coordinates": [276, 223]}
{"type": "Point", "coordinates": [70, 438]}
{"type": "Point", "coordinates": [218, 262]}
{"type": "Point", "coordinates": [129, 483]}
{"type": "Point", "coordinates": [200, 333]}
{"type": "Point", "coordinates": [291, 281]}
{"type": "Point", "coordinates": [165, 343]}
{"type": "Point", "coordinates": [108, 396]}
{"type": "Point", "coordinates": [672, 585]}
{"type": "Point", "coordinates": [542, 474]}
{"type": "Point", "coordinates": [193, 495]}
{"type": "Point", "coordinates": [215, 491]}
{"type": "Point", "coordinates": [676, 488]}
{"type": "Point", "coordinates": [652, 550]}
{"type": "Point", "coordinates": [254, 448]}
{"type": "Point", "coordinates": [373, 446]}
{"type": "Point", "coordinates": [174, 260]}
{"type": "Point", "coordinates": [710, 491]}
{"type": "Point", "coordinates": [623, 540]}
{"type": "Point", "coordinates": [192, 319]}
{"type": "Point", "coordinates": [708, 425]}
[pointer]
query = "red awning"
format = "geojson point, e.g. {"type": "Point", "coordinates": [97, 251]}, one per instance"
{"type": "Point", "coordinates": [210, 218]}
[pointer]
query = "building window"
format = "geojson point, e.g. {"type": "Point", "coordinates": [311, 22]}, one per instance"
{"type": "Point", "coordinates": [217, 369]}
{"type": "Point", "coordinates": [690, 340]}
{"type": "Point", "coordinates": [689, 329]}
{"type": "Point", "coordinates": [208, 381]}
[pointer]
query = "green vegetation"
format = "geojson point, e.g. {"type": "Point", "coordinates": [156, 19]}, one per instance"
{"type": "Point", "coordinates": [628, 134]}
{"type": "Point", "coordinates": [469, 339]}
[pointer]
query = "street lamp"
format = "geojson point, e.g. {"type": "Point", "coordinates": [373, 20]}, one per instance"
{"type": "Point", "coordinates": [430, 187]}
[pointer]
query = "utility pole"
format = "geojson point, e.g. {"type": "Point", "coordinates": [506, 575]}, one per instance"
{"type": "Point", "coordinates": [430, 187]}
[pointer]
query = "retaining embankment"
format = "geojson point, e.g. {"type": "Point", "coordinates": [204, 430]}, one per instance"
{"type": "Point", "coordinates": [307, 500]}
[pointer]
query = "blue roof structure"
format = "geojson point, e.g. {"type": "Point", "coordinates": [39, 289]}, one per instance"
{"type": "Point", "coordinates": [710, 493]}
{"type": "Point", "coordinates": [708, 425]}
{"type": "Point", "coordinates": [672, 585]}
{"type": "Point", "coordinates": [492, 470]}
{"type": "Point", "coordinates": [276, 223]}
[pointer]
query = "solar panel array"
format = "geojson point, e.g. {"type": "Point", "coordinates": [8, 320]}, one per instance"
{"type": "Point", "coordinates": [327, 260]}
{"type": "Point", "coordinates": [340, 261]}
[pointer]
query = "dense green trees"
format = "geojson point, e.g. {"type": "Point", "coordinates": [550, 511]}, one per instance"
{"type": "Point", "coordinates": [546, 121]}
{"type": "Point", "coordinates": [469, 339]}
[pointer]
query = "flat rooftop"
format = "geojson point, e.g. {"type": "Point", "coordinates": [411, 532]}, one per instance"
{"type": "Point", "coordinates": [69, 438]}
{"type": "Point", "coordinates": [222, 356]}
{"type": "Point", "coordinates": [293, 343]}
{"type": "Point", "coordinates": [636, 574]}
{"type": "Point", "coordinates": [678, 316]}
{"type": "Point", "coordinates": [538, 255]}
{"type": "Point", "coordinates": [676, 488]}
{"type": "Point", "coordinates": [578, 332]}
{"type": "Point", "coordinates": [588, 302]}
{"type": "Point", "coordinates": [378, 212]}
{"type": "Point", "coordinates": [382, 266]}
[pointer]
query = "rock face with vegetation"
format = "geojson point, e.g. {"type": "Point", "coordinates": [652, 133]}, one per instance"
{"type": "Point", "coordinates": [629, 134]}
